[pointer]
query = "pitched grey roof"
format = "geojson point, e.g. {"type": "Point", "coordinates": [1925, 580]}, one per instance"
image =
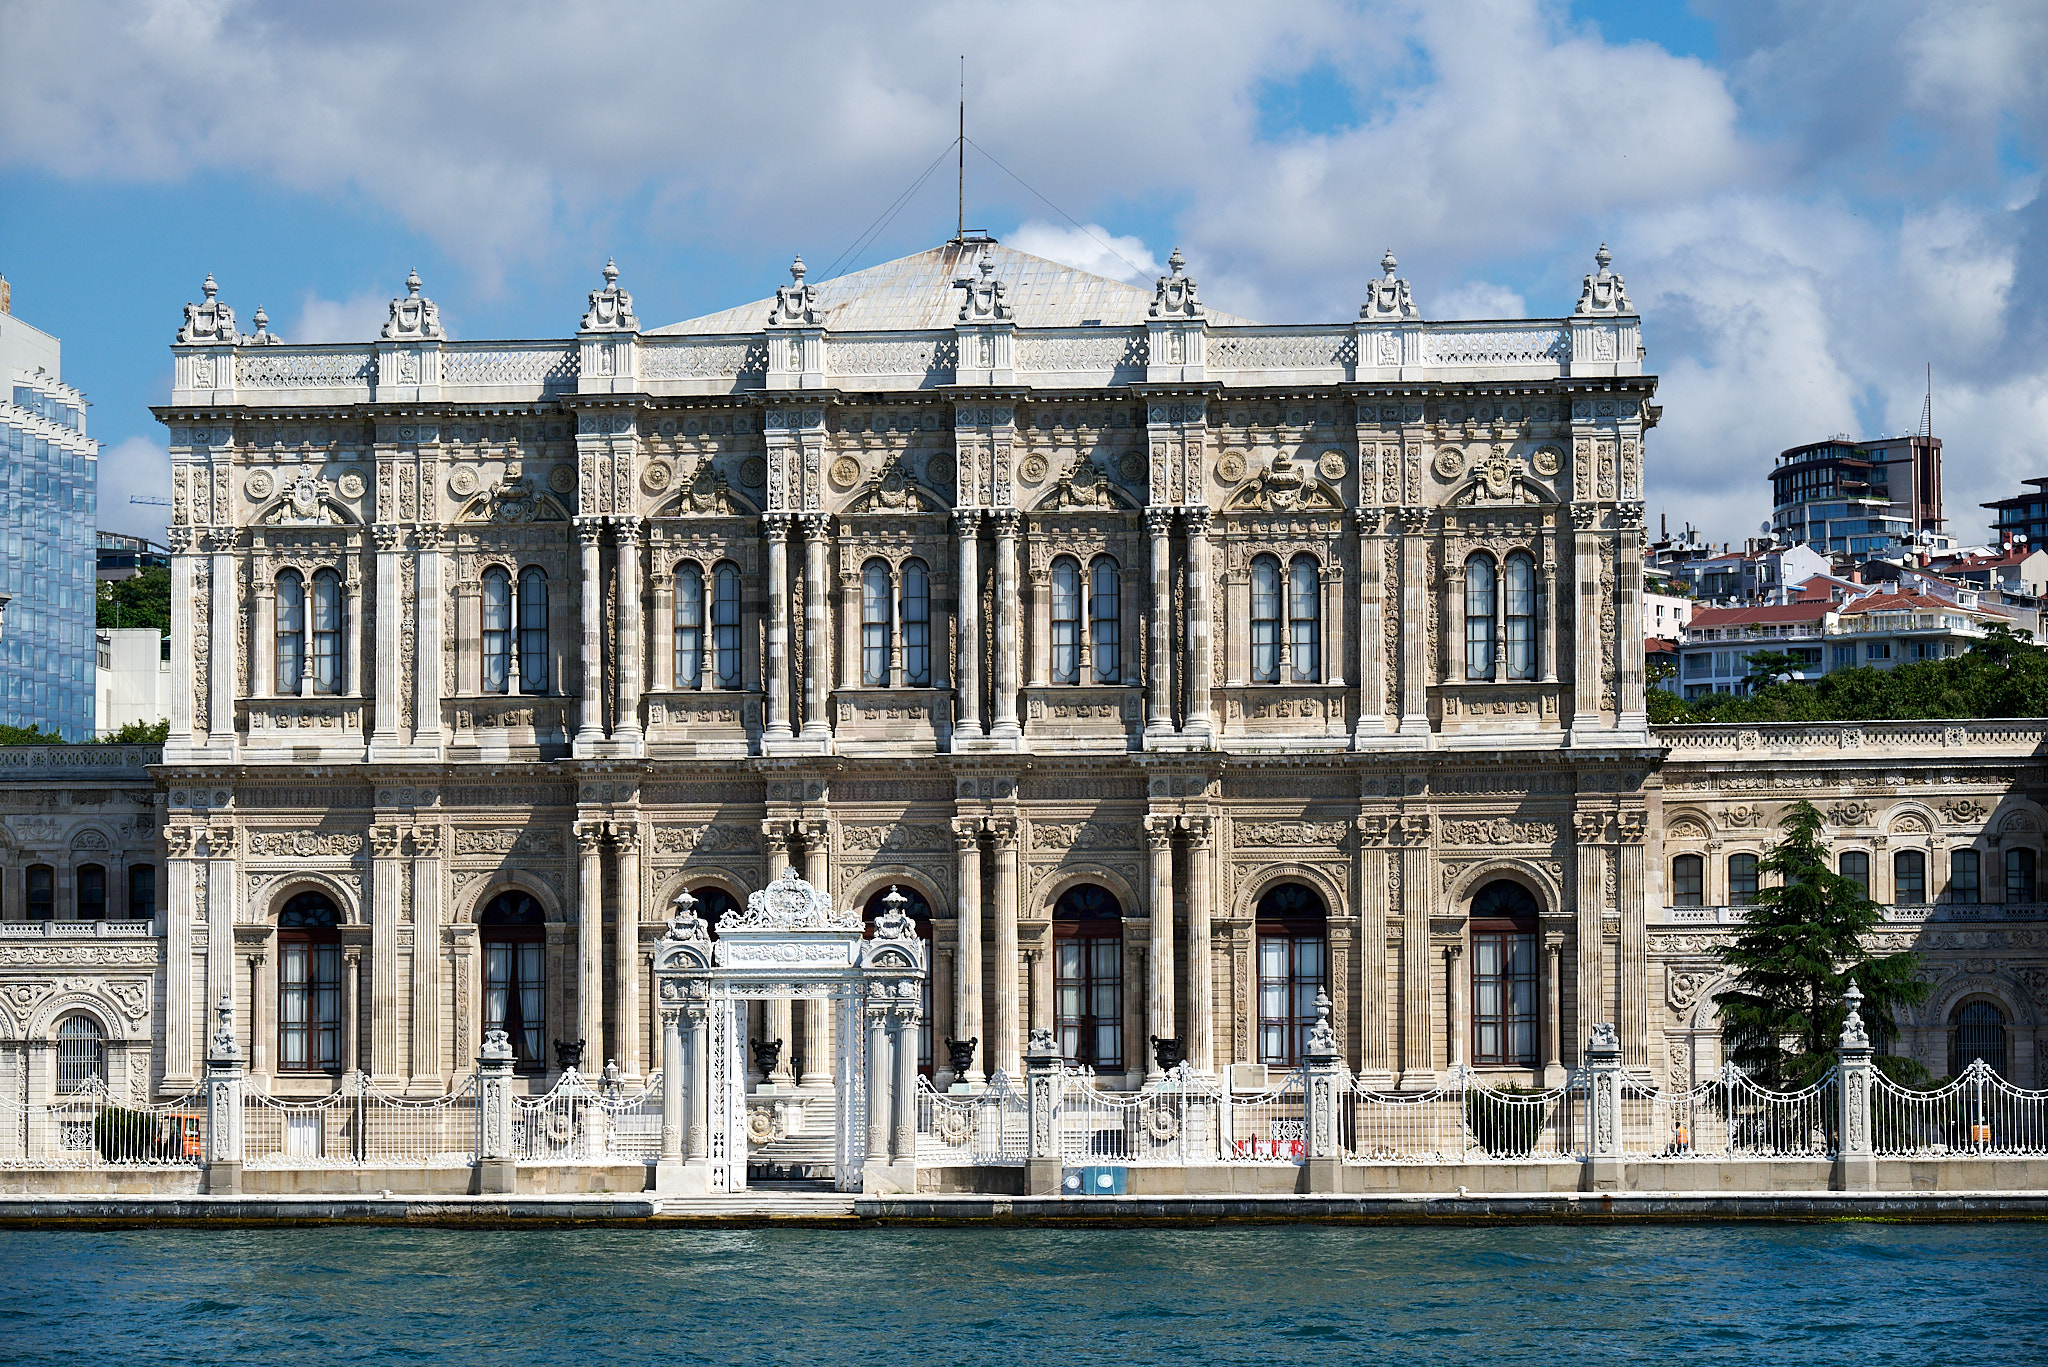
{"type": "Point", "coordinates": [922, 292]}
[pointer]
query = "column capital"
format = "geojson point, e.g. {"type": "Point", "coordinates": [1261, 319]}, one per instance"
{"type": "Point", "coordinates": [1453, 949]}
{"type": "Point", "coordinates": [626, 836]}
{"type": "Point", "coordinates": [775, 526]}
{"type": "Point", "coordinates": [966, 521]}
{"type": "Point", "coordinates": [1003, 831]}
{"type": "Point", "coordinates": [426, 537]}
{"type": "Point", "coordinates": [816, 833]}
{"type": "Point", "coordinates": [1196, 516]}
{"type": "Point", "coordinates": [627, 526]}
{"type": "Point", "coordinates": [1006, 521]}
{"type": "Point", "coordinates": [384, 841]}
{"type": "Point", "coordinates": [590, 836]}
{"type": "Point", "coordinates": [778, 830]}
{"type": "Point", "coordinates": [1199, 829]}
{"type": "Point", "coordinates": [1158, 521]}
{"type": "Point", "coordinates": [817, 526]}
{"type": "Point", "coordinates": [589, 527]}
{"type": "Point", "coordinates": [1414, 521]}
{"type": "Point", "coordinates": [966, 833]}
{"type": "Point", "coordinates": [387, 537]}
{"type": "Point", "coordinates": [1159, 831]}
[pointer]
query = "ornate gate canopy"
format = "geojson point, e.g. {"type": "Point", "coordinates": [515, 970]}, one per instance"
{"type": "Point", "coordinates": [789, 942]}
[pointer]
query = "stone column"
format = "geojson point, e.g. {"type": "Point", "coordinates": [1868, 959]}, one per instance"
{"type": "Point", "coordinates": [903, 1145]}
{"type": "Point", "coordinates": [424, 1044]}
{"type": "Point", "coordinates": [967, 619]}
{"type": "Point", "coordinates": [626, 948]}
{"type": "Point", "coordinates": [1005, 726]}
{"type": "Point", "coordinates": [1201, 1028]}
{"type": "Point", "coordinates": [385, 710]}
{"type": "Point", "coordinates": [1159, 1014]}
{"type": "Point", "coordinates": [263, 649]}
{"type": "Point", "coordinates": [877, 1010]}
{"type": "Point", "coordinates": [1040, 645]}
{"type": "Point", "coordinates": [697, 1073]}
{"type": "Point", "coordinates": [352, 637]}
{"type": "Point", "coordinates": [632, 615]}
{"type": "Point", "coordinates": [1323, 1062]}
{"type": "Point", "coordinates": [1586, 617]}
{"type": "Point", "coordinates": [775, 536]}
{"type": "Point", "coordinates": [497, 1168]}
{"type": "Point", "coordinates": [1009, 1035]}
{"type": "Point", "coordinates": [1374, 1060]}
{"type": "Point", "coordinates": [1454, 1003]}
{"type": "Point", "coordinates": [1855, 1154]}
{"type": "Point", "coordinates": [426, 680]}
{"type": "Point", "coordinates": [1042, 1171]}
{"type": "Point", "coordinates": [1553, 1022]}
{"type": "Point", "coordinates": [817, 1022]}
{"type": "Point", "coordinates": [223, 1106]}
{"type": "Point", "coordinates": [1589, 858]}
{"type": "Point", "coordinates": [1547, 608]}
{"type": "Point", "coordinates": [1628, 617]}
{"type": "Point", "coordinates": [849, 629]}
{"type": "Point", "coordinates": [967, 956]}
{"type": "Point", "coordinates": [1633, 949]}
{"type": "Point", "coordinates": [351, 1008]}
{"type": "Point", "coordinates": [1159, 637]}
{"type": "Point", "coordinates": [388, 871]}
{"type": "Point", "coordinates": [817, 649]}
{"type": "Point", "coordinates": [1200, 661]}
{"type": "Point", "coordinates": [1603, 1170]}
{"type": "Point", "coordinates": [1418, 1036]}
{"type": "Point", "coordinates": [262, 1014]}
{"type": "Point", "coordinates": [590, 940]}
{"type": "Point", "coordinates": [668, 1165]}
{"type": "Point", "coordinates": [662, 633]}
{"type": "Point", "coordinates": [590, 729]}
{"type": "Point", "coordinates": [1415, 607]}
{"type": "Point", "coordinates": [182, 1026]}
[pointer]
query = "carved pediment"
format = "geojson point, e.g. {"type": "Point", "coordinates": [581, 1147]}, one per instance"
{"type": "Point", "coordinates": [512, 499]}
{"type": "Point", "coordinates": [306, 502]}
{"type": "Point", "coordinates": [707, 493]}
{"type": "Point", "coordinates": [895, 490]}
{"type": "Point", "coordinates": [1290, 486]}
{"type": "Point", "coordinates": [1085, 487]}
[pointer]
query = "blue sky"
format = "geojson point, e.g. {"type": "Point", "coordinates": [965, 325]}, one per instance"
{"type": "Point", "coordinates": [1810, 201]}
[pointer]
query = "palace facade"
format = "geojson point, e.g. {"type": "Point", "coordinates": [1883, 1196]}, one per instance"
{"type": "Point", "coordinates": [1171, 665]}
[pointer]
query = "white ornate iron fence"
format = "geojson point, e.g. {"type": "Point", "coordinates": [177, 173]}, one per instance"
{"type": "Point", "coordinates": [579, 1122]}
{"type": "Point", "coordinates": [986, 1129]}
{"type": "Point", "coordinates": [1464, 1121]}
{"type": "Point", "coordinates": [1729, 1116]}
{"type": "Point", "coordinates": [1976, 1112]}
{"type": "Point", "coordinates": [1267, 1127]}
{"type": "Point", "coordinates": [360, 1126]}
{"type": "Point", "coordinates": [87, 1128]}
{"type": "Point", "coordinates": [1177, 1121]}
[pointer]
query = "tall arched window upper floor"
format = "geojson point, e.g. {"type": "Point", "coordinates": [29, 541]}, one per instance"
{"type": "Point", "coordinates": [1502, 610]}
{"type": "Point", "coordinates": [307, 637]}
{"type": "Point", "coordinates": [515, 630]}
{"type": "Point", "coordinates": [1287, 619]}
{"type": "Point", "coordinates": [707, 625]}
{"type": "Point", "coordinates": [1086, 620]}
{"type": "Point", "coordinates": [895, 624]}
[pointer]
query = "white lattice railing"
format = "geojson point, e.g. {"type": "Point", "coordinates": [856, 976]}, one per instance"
{"type": "Point", "coordinates": [1464, 1121]}
{"type": "Point", "coordinates": [986, 1129]}
{"type": "Point", "coordinates": [360, 1126]}
{"type": "Point", "coordinates": [89, 1129]}
{"type": "Point", "coordinates": [1270, 1126]}
{"type": "Point", "coordinates": [579, 1122]}
{"type": "Point", "coordinates": [1729, 1116]}
{"type": "Point", "coordinates": [1975, 1113]}
{"type": "Point", "coordinates": [1177, 1121]}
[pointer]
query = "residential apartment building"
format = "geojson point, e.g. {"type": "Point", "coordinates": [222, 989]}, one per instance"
{"type": "Point", "coordinates": [1859, 497]}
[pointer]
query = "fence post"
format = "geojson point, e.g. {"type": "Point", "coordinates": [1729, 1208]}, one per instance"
{"type": "Point", "coordinates": [1042, 1169]}
{"type": "Point", "coordinates": [1855, 1154]}
{"type": "Point", "coordinates": [497, 1169]}
{"type": "Point", "coordinates": [224, 1105]}
{"type": "Point", "coordinates": [1603, 1170]}
{"type": "Point", "coordinates": [1323, 1063]}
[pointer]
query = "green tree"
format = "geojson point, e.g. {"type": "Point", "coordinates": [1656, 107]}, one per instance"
{"type": "Point", "coordinates": [1801, 944]}
{"type": "Point", "coordinates": [28, 735]}
{"type": "Point", "coordinates": [1767, 667]}
{"type": "Point", "coordinates": [144, 601]}
{"type": "Point", "coordinates": [140, 733]}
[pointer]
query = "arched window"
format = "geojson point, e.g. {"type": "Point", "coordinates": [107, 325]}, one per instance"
{"type": "Point", "coordinates": [497, 627]}
{"type": "Point", "coordinates": [1504, 975]}
{"type": "Point", "coordinates": [1088, 976]}
{"type": "Point", "coordinates": [1066, 620]}
{"type": "Point", "coordinates": [1265, 619]}
{"type": "Point", "coordinates": [1293, 937]}
{"type": "Point", "coordinates": [725, 622]}
{"type": "Point", "coordinates": [1741, 880]}
{"type": "Point", "coordinates": [1305, 619]}
{"type": "Point", "coordinates": [1480, 605]}
{"type": "Point", "coordinates": [81, 1053]}
{"type": "Point", "coordinates": [689, 627]}
{"type": "Point", "coordinates": [309, 1023]}
{"type": "Point", "coordinates": [920, 912]}
{"type": "Point", "coordinates": [42, 893]}
{"type": "Point", "coordinates": [1854, 865]}
{"type": "Point", "coordinates": [1976, 1030]}
{"type": "Point", "coordinates": [326, 624]}
{"type": "Point", "coordinates": [874, 624]}
{"type": "Point", "coordinates": [1688, 880]}
{"type": "Point", "coordinates": [714, 903]}
{"type": "Point", "coordinates": [89, 889]}
{"type": "Point", "coordinates": [533, 630]}
{"type": "Point", "coordinates": [1519, 614]}
{"type": "Point", "coordinates": [2019, 875]}
{"type": "Point", "coordinates": [1909, 878]}
{"type": "Point", "coordinates": [513, 931]}
{"type": "Point", "coordinates": [1105, 620]}
{"type": "Point", "coordinates": [1964, 887]}
{"type": "Point", "coordinates": [291, 631]}
{"type": "Point", "coordinates": [141, 892]}
{"type": "Point", "coordinates": [917, 625]}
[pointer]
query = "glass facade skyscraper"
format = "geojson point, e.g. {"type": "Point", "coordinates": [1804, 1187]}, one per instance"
{"type": "Point", "coordinates": [49, 506]}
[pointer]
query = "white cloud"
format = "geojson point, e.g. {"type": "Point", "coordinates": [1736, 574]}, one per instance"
{"type": "Point", "coordinates": [355, 319]}
{"type": "Point", "coordinates": [136, 466]}
{"type": "Point", "coordinates": [1093, 249]}
{"type": "Point", "coordinates": [1476, 299]}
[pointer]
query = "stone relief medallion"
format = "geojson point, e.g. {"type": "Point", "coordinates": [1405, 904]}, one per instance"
{"type": "Point", "coordinates": [1330, 465]}
{"type": "Point", "coordinates": [258, 486]}
{"type": "Point", "coordinates": [845, 472]}
{"type": "Point", "coordinates": [1449, 463]}
{"type": "Point", "coordinates": [351, 484]}
{"type": "Point", "coordinates": [938, 472]}
{"type": "Point", "coordinates": [1547, 461]}
{"type": "Point", "coordinates": [1132, 466]}
{"type": "Point", "coordinates": [753, 472]}
{"type": "Point", "coordinates": [562, 479]}
{"type": "Point", "coordinates": [462, 481]}
{"type": "Point", "coordinates": [1033, 469]}
{"type": "Point", "coordinates": [1230, 467]}
{"type": "Point", "coordinates": [656, 477]}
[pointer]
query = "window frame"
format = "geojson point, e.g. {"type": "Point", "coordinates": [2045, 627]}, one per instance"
{"type": "Point", "coordinates": [89, 892]}
{"type": "Point", "coordinates": [1292, 919]}
{"type": "Point", "coordinates": [1518, 628]}
{"type": "Point", "coordinates": [1266, 587]}
{"type": "Point", "coordinates": [1482, 602]}
{"type": "Point", "coordinates": [1901, 880]}
{"type": "Point", "coordinates": [521, 947]}
{"type": "Point", "coordinates": [1063, 593]}
{"type": "Point", "coordinates": [142, 892]}
{"type": "Point", "coordinates": [1743, 897]}
{"type": "Point", "coordinates": [288, 634]}
{"type": "Point", "coordinates": [1962, 893]}
{"type": "Point", "coordinates": [1305, 619]}
{"type": "Point", "coordinates": [1106, 619]}
{"type": "Point", "coordinates": [323, 632]}
{"type": "Point", "coordinates": [727, 612]}
{"type": "Point", "coordinates": [46, 896]}
{"type": "Point", "coordinates": [877, 622]}
{"type": "Point", "coordinates": [689, 635]}
{"type": "Point", "coordinates": [2021, 887]}
{"type": "Point", "coordinates": [81, 1057]}
{"type": "Point", "coordinates": [531, 625]}
{"type": "Point", "coordinates": [914, 624]}
{"type": "Point", "coordinates": [1957, 1024]}
{"type": "Point", "coordinates": [308, 1032]}
{"type": "Point", "coordinates": [1088, 962]}
{"type": "Point", "coordinates": [495, 602]}
{"type": "Point", "coordinates": [1859, 860]}
{"type": "Point", "coordinates": [1688, 869]}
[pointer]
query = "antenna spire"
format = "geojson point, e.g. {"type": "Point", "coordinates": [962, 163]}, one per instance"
{"type": "Point", "coordinates": [960, 217]}
{"type": "Point", "coordinates": [1927, 409]}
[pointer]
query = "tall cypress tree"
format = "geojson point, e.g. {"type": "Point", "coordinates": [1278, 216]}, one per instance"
{"type": "Point", "coordinates": [1801, 943]}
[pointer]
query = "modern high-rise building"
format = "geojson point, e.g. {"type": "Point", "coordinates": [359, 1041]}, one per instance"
{"type": "Point", "coordinates": [1858, 497]}
{"type": "Point", "coordinates": [2023, 515]}
{"type": "Point", "coordinates": [49, 501]}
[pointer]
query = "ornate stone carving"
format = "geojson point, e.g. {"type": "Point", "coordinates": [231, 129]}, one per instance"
{"type": "Point", "coordinates": [611, 308]}
{"type": "Point", "coordinates": [1499, 831]}
{"type": "Point", "coordinates": [413, 317]}
{"type": "Point", "coordinates": [1603, 292]}
{"type": "Point", "coordinates": [1387, 299]}
{"type": "Point", "coordinates": [789, 903]}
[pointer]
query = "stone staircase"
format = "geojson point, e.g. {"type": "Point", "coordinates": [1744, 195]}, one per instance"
{"type": "Point", "coordinates": [805, 1142]}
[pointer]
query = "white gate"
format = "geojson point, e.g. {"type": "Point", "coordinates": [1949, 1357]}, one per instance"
{"type": "Point", "coordinates": [788, 943]}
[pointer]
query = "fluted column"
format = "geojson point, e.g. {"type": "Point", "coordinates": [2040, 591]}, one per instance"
{"type": "Point", "coordinates": [697, 1067]}
{"type": "Point", "coordinates": [626, 949]}
{"type": "Point", "coordinates": [967, 955]}
{"type": "Point", "coordinates": [817, 651]}
{"type": "Point", "coordinates": [1201, 1031]}
{"type": "Point", "coordinates": [352, 637]}
{"type": "Point", "coordinates": [775, 535]}
{"type": "Point", "coordinates": [385, 710]}
{"type": "Point", "coordinates": [632, 614]}
{"type": "Point", "coordinates": [424, 1045]}
{"type": "Point", "coordinates": [1454, 1003]}
{"type": "Point", "coordinates": [1553, 1005]}
{"type": "Point", "coordinates": [1040, 644]}
{"type": "Point", "coordinates": [1415, 607]}
{"type": "Point", "coordinates": [427, 628]}
{"type": "Point", "coordinates": [1374, 1059]}
{"type": "Point", "coordinates": [590, 938]}
{"type": "Point", "coordinates": [903, 1146]}
{"type": "Point", "coordinates": [1372, 665]}
{"type": "Point", "coordinates": [1586, 624]}
{"type": "Point", "coordinates": [1201, 662]}
{"type": "Point", "coordinates": [1159, 961]}
{"type": "Point", "coordinates": [1418, 1039]}
{"type": "Point", "coordinates": [351, 1009]}
{"type": "Point", "coordinates": [1008, 1051]}
{"type": "Point", "coordinates": [1006, 628]}
{"type": "Point", "coordinates": [1159, 634]}
{"type": "Point", "coordinates": [661, 633]}
{"type": "Point", "coordinates": [849, 629]}
{"type": "Point", "coordinates": [817, 1017]}
{"type": "Point", "coordinates": [877, 1010]}
{"type": "Point", "coordinates": [590, 704]}
{"type": "Point", "coordinates": [263, 649]}
{"type": "Point", "coordinates": [967, 548]}
{"type": "Point", "coordinates": [1589, 962]}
